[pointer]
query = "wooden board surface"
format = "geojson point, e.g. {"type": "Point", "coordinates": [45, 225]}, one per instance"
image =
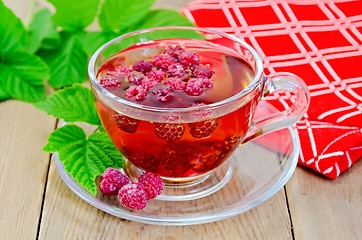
{"type": "Point", "coordinates": [318, 208]}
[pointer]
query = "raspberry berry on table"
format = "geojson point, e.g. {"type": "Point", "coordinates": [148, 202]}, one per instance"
{"type": "Point", "coordinates": [152, 183]}
{"type": "Point", "coordinates": [112, 180]}
{"type": "Point", "coordinates": [133, 196]}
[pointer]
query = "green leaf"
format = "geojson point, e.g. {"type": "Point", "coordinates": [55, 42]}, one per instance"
{"type": "Point", "coordinates": [83, 158]}
{"type": "Point", "coordinates": [73, 15]}
{"type": "Point", "coordinates": [4, 95]}
{"type": "Point", "coordinates": [73, 104]}
{"type": "Point", "coordinates": [12, 31]}
{"type": "Point", "coordinates": [94, 40]}
{"type": "Point", "coordinates": [163, 18]}
{"type": "Point", "coordinates": [22, 76]}
{"type": "Point", "coordinates": [42, 32]}
{"type": "Point", "coordinates": [67, 63]}
{"type": "Point", "coordinates": [116, 14]}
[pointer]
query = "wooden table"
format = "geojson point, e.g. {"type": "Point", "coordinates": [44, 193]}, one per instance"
{"type": "Point", "coordinates": [36, 203]}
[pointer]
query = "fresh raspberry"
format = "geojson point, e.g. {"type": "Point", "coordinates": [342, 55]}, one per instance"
{"type": "Point", "coordinates": [177, 70]}
{"type": "Point", "coordinates": [156, 75]}
{"type": "Point", "coordinates": [142, 66]}
{"type": "Point", "coordinates": [125, 123]}
{"type": "Point", "coordinates": [136, 92]}
{"type": "Point", "coordinates": [202, 71]}
{"type": "Point", "coordinates": [109, 82]}
{"type": "Point", "coordinates": [174, 50]}
{"type": "Point", "coordinates": [123, 69]}
{"type": "Point", "coordinates": [175, 83]}
{"type": "Point", "coordinates": [169, 132]}
{"type": "Point", "coordinates": [132, 78]}
{"type": "Point", "coordinates": [196, 86]}
{"type": "Point", "coordinates": [111, 181]}
{"type": "Point", "coordinates": [162, 61]}
{"type": "Point", "coordinates": [163, 94]}
{"type": "Point", "coordinates": [133, 196]}
{"type": "Point", "coordinates": [148, 83]}
{"type": "Point", "coordinates": [187, 58]}
{"type": "Point", "coordinates": [204, 128]}
{"type": "Point", "coordinates": [152, 183]}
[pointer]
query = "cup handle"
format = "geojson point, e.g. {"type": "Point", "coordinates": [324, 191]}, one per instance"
{"type": "Point", "coordinates": [279, 120]}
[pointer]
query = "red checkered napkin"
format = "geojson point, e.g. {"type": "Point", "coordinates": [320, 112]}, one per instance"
{"type": "Point", "coordinates": [320, 41]}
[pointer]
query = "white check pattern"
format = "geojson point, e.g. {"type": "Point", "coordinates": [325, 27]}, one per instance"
{"type": "Point", "coordinates": [335, 85]}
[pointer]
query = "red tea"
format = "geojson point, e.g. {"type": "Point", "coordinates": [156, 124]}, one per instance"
{"type": "Point", "coordinates": [205, 74]}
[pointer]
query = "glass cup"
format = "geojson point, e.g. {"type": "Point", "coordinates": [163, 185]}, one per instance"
{"type": "Point", "coordinates": [193, 162]}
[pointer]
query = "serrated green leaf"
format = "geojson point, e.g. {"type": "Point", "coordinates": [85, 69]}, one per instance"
{"type": "Point", "coordinates": [67, 63]}
{"type": "Point", "coordinates": [42, 32]}
{"type": "Point", "coordinates": [4, 95]}
{"type": "Point", "coordinates": [84, 158]}
{"type": "Point", "coordinates": [163, 18]}
{"type": "Point", "coordinates": [73, 104]}
{"type": "Point", "coordinates": [94, 40]}
{"type": "Point", "coordinates": [22, 75]}
{"type": "Point", "coordinates": [12, 31]}
{"type": "Point", "coordinates": [116, 14]}
{"type": "Point", "coordinates": [74, 15]}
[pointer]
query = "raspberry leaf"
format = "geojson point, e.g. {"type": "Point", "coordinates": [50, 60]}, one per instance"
{"type": "Point", "coordinates": [163, 18]}
{"type": "Point", "coordinates": [84, 158]}
{"type": "Point", "coordinates": [74, 15]}
{"type": "Point", "coordinates": [67, 63]}
{"type": "Point", "coordinates": [116, 14]}
{"type": "Point", "coordinates": [22, 76]}
{"type": "Point", "coordinates": [12, 31]}
{"type": "Point", "coordinates": [4, 95]}
{"type": "Point", "coordinates": [94, 40]}
{"type": "Point", "coordinates": [73, 104]}
{"type": "Point", "coordinates": [42, 32]}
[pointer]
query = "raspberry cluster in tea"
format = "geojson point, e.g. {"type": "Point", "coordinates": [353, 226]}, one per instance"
{"type": "Point", "coordinates": [162, 78]}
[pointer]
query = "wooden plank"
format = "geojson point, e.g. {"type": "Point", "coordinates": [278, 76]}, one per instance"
{"type": "Point", "coordinates": [326, 209]}
{"type": "Point", "coordinates": [23, 168]}
{"type": "Point", "coordinates": [66, 216]}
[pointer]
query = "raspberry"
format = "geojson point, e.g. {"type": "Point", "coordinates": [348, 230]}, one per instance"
{"type": "Point", "coordinates": [207, 161]}
{"type": "Point", "coordinates": [174, 50]}
{"type": "Point", "coordinates": [152, 183]}
{"type": "Point", "coordinates": [145, 161]}
{"type": "Point", "coordinates": [177, 70]}
{"type": "Point", "coordinates": [138, 93]}
{"type": "Point", "coordinates": [156, 75]}
{"type": "Point", "coordinates": [196, 86]}
{"type": "Point", "coordinates": [109, 82]}
{"type": "Point", "coordinates": [123, 69]}
{"type": "Point", "coordinates": [204, 128]}
{"type": "Point", "coordinates": [149, 83]}
{"type": "Point", "coordinates": [142, 66]}
{"type": "Point", "coordinates": [175, 83]}
{"type": "Point", "coordinates": [132, 78]}
{"type": "Point", "coordinates": [202, 71]}
{"type": "Point", "coordinates": [162, 61]}
{"type": "Point", "coordinates": [111, 181]}
{"type": "Point", "coordinates": [187, 58]}
{"type": "Point", "coordinates": [169, 132]}
{"type": "Point", "coordinates": [174, 164]}
{"type": "Point", "coordinates": [132, 196]}
{"type": "Point", "coordinates": [163, 94]}
{"type": "Point", "coordinates": [125, 123]}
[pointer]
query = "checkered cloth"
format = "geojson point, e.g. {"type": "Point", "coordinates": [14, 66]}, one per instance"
{"type": "Point", "coordinates": [320, 41]}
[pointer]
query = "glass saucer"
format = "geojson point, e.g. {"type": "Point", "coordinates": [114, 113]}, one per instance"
{"type": "Point", "coordinates": [254, 173]}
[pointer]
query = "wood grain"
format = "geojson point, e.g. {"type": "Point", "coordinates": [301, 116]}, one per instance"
{"type": "Point", "coordinates": [23, 168]}
{"type": "Point", "coordinates": [326, 209]}
{"type": "Point", "coordinates": [66, 216]}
